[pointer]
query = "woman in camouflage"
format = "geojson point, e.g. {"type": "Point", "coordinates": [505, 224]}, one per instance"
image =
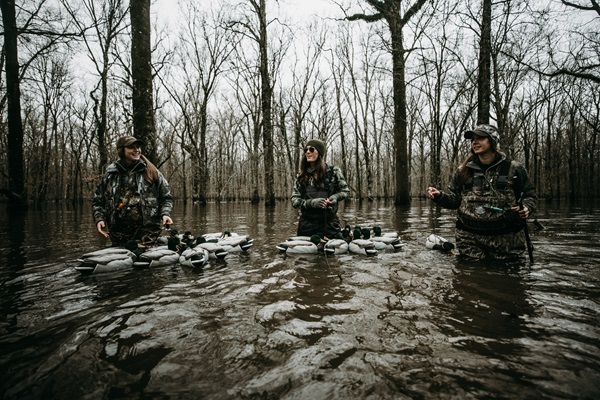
{"type": "Point", "coordinates": [133, 199]}
{"type": "Point", "coordinates": [317, 191]}
{"type": "Point", "coordinates": [493, 196]}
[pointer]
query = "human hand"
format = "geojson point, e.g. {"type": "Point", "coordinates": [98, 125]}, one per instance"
{"type": "Point", "coordinates": [315, 203]}
{"type": "Point", "coordinates": [331, 201]}
{"type": "Point", "coordinates": [166, 220]}
{"type": "Point", "coordinates": [523, 212]}
{"type": "Point", "coordinates": [432, 193]}
{"type": "Point", "coordinates": [101, 227]}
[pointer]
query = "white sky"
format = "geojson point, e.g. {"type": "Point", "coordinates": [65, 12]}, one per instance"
{"type": "Point", "coordinates": [167, 10]}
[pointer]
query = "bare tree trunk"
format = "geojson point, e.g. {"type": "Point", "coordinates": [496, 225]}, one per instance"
{"type": "Point", "coordinates": [266, 104]}
{"type": "Point", "coordinates": [390, 10]}
{"type": "Point", "coordinates": [402, 196]}
{"type": "Point", "coordinates": [141, 70]}
{"type": "Point", "coordinates": [483, 78]}
{"type": "Point", "coordinates": [16, 170]}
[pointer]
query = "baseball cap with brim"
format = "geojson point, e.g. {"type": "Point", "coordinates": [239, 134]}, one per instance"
{"type": "Point", "coordinates": [483, 130]}
{"type": "Point", "coordinates": [125, 141]}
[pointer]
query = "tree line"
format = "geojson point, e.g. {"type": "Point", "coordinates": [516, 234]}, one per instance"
{"type": "Point", "coordinates": [226, 94]}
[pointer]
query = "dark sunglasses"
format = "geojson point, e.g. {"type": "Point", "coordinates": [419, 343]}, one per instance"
{"type": "Point", "coordinates": [309, 149]}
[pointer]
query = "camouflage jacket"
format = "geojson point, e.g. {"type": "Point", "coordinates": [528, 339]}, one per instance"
{"type": "Point", "coordinates": [336, 187]}
{"type": "Point", "coordinates": [155, 200]}
{"type": "Point", "coordinates": [484, 200]}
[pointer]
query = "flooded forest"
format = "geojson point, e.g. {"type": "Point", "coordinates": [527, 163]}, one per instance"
{"type": "Point", "coordinates": [226, 93]}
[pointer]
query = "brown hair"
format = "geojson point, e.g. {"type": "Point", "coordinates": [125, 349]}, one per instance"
{"type": "Point", "coordinates": [463, 171]}
{"type": "Point", "coordinates": [318, 172]}
{"type": "Point", "coordinates": [150, 173]}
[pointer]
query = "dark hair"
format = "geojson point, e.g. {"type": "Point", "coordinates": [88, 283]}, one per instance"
{"type": "Point", "coordinates": [150, 173]}
{"type": "Point", "coordinates": [318, 172]}
{"type": "Point", "coordinates": [463, 171]}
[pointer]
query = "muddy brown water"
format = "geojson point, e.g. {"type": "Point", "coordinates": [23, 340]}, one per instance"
{"type": "Point", "coordinates": [414, 324]}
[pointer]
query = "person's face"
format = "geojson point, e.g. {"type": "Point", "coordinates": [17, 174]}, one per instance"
{"type": "Point", "coordinates": [481, 144]}
{"type": "Point", "coordinates": [311, 154]}
{"type": "Point", "coordinates": [132, 153]}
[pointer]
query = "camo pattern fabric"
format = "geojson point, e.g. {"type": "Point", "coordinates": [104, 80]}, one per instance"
{"type": "Point", "coordinates": [324, 222]}
{"type": "Point", "coordinates": [487, 208]}
{"type": "Point", "coordinates": [131, 207]}
{"type": "Point", "coordinates": [485, 227]}
{"type": "Point", "coordinates": [510, 246]}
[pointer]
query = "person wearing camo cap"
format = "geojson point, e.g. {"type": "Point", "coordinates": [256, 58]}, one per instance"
{"type": "Point", "coordinates": [133, 200]}
{"type": "Point", "coordinates": [493, 196]}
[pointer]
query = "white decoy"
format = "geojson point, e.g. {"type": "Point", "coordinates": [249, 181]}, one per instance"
{"type": "Point", "coordinates": [234, 243]}
{"type": "Point", "coordinates": [378, 233]}
{"type": "Point", "coordinates": [195, 257]}
{"type": "Point", "coordinates": [156, 257]}
{"type": "Point", "coordinates": [215, 250]}
{"type": "Point", "coordinates": [301, 246]}
{"type": "Point", "coordinates": [106, 260]}
{"type": "Point", "coordinates": [384, 242]}
{"type": "Point", "coordinates": [435, 242]}
{"type": "Point", "coordinates": [336, 246]}
{"type": "Point", "coordinates": [358, 245]}
{"type": "Point", "coordinates": [363, 247]}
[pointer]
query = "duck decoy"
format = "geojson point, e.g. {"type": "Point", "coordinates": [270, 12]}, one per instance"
{"type": "Point", "coordinates": [435, 242]}
{"type": "Point", "coordinates": [363, 247]}
{"type": "Point", "coordinates": [195, 257]}
{"type": "Point", "coordinates": [161, 255]}
{"type": "Point", "coordinates": [156, 257]}
{"type": "Point", "coordinates": [383, 242]}
{"type": "Point", "coordinates": [301, 246]}
{"type": "Point", "coordinates": [377, 232]}
{"type": "Point", "coordinates": [234, 242]}
{"type": "Point", "coordinates": [106, 260]}
{"type": "Point", "coordinates": [358, 245]}
{"type": "Point", "coordinates": [336, 246]}
{"type": "Point", "coordinates": [215, 250]}
{"type": "Point", "coordinates": [346, 233]}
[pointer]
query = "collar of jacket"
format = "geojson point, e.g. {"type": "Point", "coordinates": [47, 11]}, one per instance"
{"type": "Point", "coordinates": [117, 167]}
{"type": "Point", "coordinates": [477, 166]}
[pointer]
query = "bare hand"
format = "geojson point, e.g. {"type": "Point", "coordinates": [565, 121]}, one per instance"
{"type": "Point", "coordinates": [101, 226]}
{"type": "Point", "coordinates": [432, 192]}
{"type": "Point", "coordinates": [166, 220]}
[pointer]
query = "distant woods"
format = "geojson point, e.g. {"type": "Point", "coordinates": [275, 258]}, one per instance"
{"type": "Point", "coordinates": [226, 93]}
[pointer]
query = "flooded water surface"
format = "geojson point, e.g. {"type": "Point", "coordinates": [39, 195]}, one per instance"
{"type": "Point", "coordinates": [407, 324]}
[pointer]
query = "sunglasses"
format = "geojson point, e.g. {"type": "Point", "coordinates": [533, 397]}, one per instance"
{"type": "Point", "coordinates": [309, 149]}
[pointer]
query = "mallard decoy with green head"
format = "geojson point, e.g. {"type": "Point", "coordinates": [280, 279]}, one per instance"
{"type": "Point", "coordinates": [215, 250]}
{"type": "Point", "coordinates": [105, 260]}
{"type": "Point", "coordinates": [161, 255]}
{"type": "Point", "coordinates": [302, 246]}
{"type": "Point", "coordinates": [358, 245]}
{"type": "Point", "coordinates": [383, 242]}
{"type": "Point", "coordinates": [232, 242]}
{"type": "Point", "coordinates": [195, 257]}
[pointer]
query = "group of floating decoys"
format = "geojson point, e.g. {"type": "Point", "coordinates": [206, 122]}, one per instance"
{"type": "Point", "coordinates": [185, 249]}
{"type": "Point", "coordinates": [357, 241]}
{"type": "Point", "coordinates": [196, 251]}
